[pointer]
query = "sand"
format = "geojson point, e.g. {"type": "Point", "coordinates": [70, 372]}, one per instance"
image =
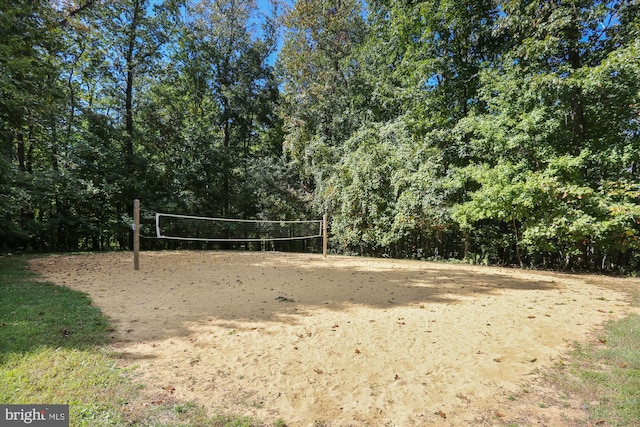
{"type": "Point", "coordinates": [341, 340]}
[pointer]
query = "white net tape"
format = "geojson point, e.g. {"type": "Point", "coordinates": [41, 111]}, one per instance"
{"type": "Point", "coordinates": [204, 229]}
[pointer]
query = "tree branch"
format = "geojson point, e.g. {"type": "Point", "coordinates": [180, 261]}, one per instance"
{"type": "Point", "coordinates": [73, 12]}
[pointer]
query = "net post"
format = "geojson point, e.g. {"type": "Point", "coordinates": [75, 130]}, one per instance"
{"type": "Point", "coordinates": [136, 234]}
{"type": "Point", "coordinates": [324, 235]}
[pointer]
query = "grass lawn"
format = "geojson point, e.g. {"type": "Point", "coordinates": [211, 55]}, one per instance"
{"type": "Point", "coordinates": [53, 350]}
{"type": "Point", "coordinates": [609, 374]}
{"type": "Point", "coordinates": [605, 373]}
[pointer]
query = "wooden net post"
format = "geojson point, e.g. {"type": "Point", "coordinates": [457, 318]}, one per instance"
{"type": "Point", "coordinates": [324, 235]}
{"type": "Point", "coordinates": [136, 234]}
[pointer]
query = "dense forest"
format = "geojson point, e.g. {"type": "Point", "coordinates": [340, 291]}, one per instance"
{"type": "Point", "coordinates": [491, 131]}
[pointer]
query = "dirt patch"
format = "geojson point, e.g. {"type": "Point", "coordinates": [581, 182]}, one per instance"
{"type": "Point", "coordinates": [348, 341]}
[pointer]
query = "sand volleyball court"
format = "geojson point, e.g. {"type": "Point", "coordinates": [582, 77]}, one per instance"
{"type": "Point", "coordinates": [340, 340]}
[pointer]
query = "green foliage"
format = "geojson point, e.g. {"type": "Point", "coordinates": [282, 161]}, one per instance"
{"type": "Point", "coordinates": [362, 190]}
{"type": "Point", "coordinates": [209, 118]}
{"type": "Point", "coordinates": [173, 104]}
{"type": "Point", "coordinates": [552, 145]}
{"type": "Point", "coordinates": [387, 196]}
{"type": "Point", "coordinates": [321, 80]}
{"type": "Point", "coordinates": [500, 132]}
{"type": "Point", "coordinates": [550, 214]}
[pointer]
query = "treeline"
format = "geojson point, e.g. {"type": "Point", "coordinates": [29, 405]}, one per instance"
{"type": "Point", "coordinates": [502, 132]}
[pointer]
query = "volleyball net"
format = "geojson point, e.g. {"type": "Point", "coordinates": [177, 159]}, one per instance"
{"type": "Point", "coordinates": [206, 229]}
{"type": "Point", "coordinates": [188, 228]}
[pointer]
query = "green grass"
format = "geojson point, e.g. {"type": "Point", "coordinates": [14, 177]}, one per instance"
{"type": "Point", "coordinates": [54, 350]}
{"type": "Point", "coordinates": [608, 373]}
{"type": "Point", "coordinates": [35, 314]}
{"type": "Point", "coordinates": [604, 374]}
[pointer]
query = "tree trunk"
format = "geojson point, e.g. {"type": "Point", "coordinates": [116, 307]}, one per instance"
{"type": "Point", "coordinates": [128, 106]}
{"type": "Point", "coordinates": [578, 122]}
{"type": "Point", "coordinates": [226, 165]}
{"type": "Point", "coordinates": [21, 152]}
{"type": "Point", "coordinates": [129, 58]}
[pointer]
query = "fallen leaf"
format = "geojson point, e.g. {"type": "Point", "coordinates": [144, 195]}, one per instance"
{"type": "Point", "coordinates": [463, 398]}
{"type": "Point", "coordinates": [357, 351]}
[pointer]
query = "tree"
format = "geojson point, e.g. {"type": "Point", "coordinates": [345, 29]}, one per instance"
{"type": "Point", "coordinates": [29, 101]}
{"type": "Point", "coordinates": [212, 112]}
{"type": "Point", "coordinates": [560, 114]}
{"type": "Point", "coordinates": [415, 70]}
{"type": "Point", "coordinates": [318, 71]}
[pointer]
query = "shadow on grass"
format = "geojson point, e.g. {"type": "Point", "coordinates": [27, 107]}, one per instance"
{"type": "Point", "coordinates": [52, 351]}
{"type": "Point", "coordinates": [35, 314]}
